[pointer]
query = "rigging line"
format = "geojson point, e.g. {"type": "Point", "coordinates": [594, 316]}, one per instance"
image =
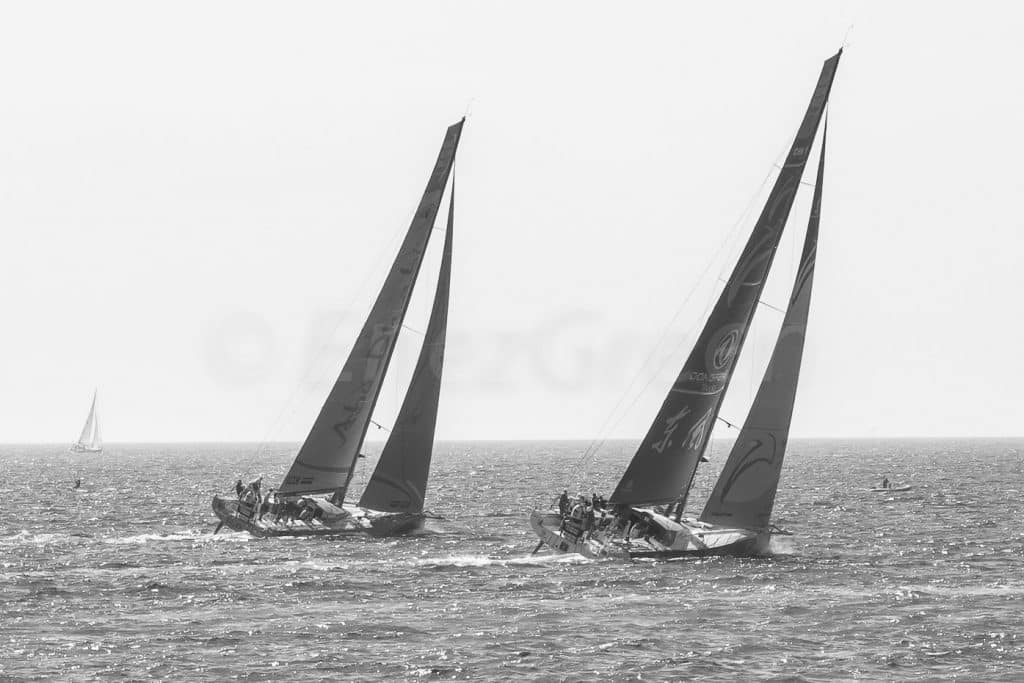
{"type": "Point", "coordinates": [290, 405]}
{"type": "Point", "coordinates": [605, 430]}
{"type": "Point", "coordinates": [805, 183]}
{"type": "Point", "coordinates": [600, 442]}
{"type": "Point", "coordinates": [846, 37]}
{"type": "Point", "coordinates": [726, 245]}
{"type": "Point", "coordinates": [780, 155]}
{"type": "Point", "coordinates": [646, 386]}
{"type": "Point", "coordinates": [413, 329]}
{"type": "Point", "coordinates": [760, 301]}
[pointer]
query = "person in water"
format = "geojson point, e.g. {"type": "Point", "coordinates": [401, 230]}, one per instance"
{"type": "Point", "coordinates": [78, 483]}
{"type": "Point", "coordinates": [885, 482]}
{"type": "Point", "coordinates": [239, 487]}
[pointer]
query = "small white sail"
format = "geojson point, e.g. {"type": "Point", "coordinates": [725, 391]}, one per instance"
{"type": "Point", "coordinates": [89, 441]}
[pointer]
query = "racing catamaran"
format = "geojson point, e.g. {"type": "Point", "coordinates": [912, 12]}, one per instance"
{"type": "Point", "coordinates": [311, 500]}
{"type": "Point", "coordinates": [645, 515]}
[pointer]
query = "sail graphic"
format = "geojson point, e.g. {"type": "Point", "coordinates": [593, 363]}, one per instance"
{"type": "Point", "coordinates": [399, 482]}
{"type": "Point", "coordinates": [663, 467]}
{"type": "Point", "coordinates": [89, 440]}
{"type": "Point", "coordinates": [745, 491]}
{"type": "Point", "coordinates": [327, 457]}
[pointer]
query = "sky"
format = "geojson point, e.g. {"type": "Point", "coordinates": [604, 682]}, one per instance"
{"type": "Point", "coordinates": [198, 202]}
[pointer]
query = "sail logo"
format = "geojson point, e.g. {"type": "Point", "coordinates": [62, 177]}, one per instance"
{"type": "Point", "coordinates": [378, 352]}
{"type": "Point", "coordinates": [695, 437]}
{"type": "Point", "coordinates": [726, 349]}
{"type": "Point", "coordinates": [699, 432]}
{"type": "Point", "coordinates": [670, 427]}
{"type": "Point", "coordinates": [760, 453]}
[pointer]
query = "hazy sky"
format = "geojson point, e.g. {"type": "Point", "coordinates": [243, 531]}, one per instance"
{"type": "Point", "coordinates": [198, 202]}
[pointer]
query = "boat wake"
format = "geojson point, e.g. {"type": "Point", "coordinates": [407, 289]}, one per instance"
{"type": "Point", "coordinates": [782, 545]}
{"type": "Point", "coordinates": [431, 527]}
{"type": "Point", "coordinates": [192, 535]}
{"type": "Point", "coordinates": [459, 561]}
{"type": "Point", "coordinates": [24, 537]}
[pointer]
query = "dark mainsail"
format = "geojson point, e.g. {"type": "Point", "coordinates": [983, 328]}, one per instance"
{"type": "Point", "coordinates": [399, 482]}
{"type": "Point", "coordinates": [663, 467]}
{"type": "Point", "coordinates": [745, 492]}
{"type": "Point", "coordinates": [327, 457]}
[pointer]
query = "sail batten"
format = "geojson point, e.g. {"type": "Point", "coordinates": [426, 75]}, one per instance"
{"type": "Point", "coordinates": [744, 494]}
{"type": "Point", "coordinates": [663, 467]}
{"type": "Point", "coordinates": [399, 482]}
{"type": "Point", "coordinates": [327, 458]}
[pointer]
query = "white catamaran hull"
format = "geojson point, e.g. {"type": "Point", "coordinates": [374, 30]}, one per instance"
{"type": "Point", "coordinates": [661, 538]}
{"type": "Point", "coordinates": [348, 521]}
{"type": "Point", "coordinates": [85, 449]}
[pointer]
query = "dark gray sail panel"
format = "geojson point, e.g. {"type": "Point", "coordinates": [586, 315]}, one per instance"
{"type": "Point", "coordinates": [744, 494]}
{"type": "Point", "coordinates": [327, 457]}
{"type": "Point", "coordinates": [663, 467]}
{"type": "Point", "coordinates": [399, 482]}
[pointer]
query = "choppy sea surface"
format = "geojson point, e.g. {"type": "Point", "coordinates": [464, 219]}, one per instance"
{"type": "Point", "coordinates": [124, 578]}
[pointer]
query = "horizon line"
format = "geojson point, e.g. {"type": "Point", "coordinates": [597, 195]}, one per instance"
{"type": "Point", "coordinates": [512, 439]}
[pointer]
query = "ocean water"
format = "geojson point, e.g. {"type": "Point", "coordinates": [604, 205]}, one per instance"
{"type": "Point", "coordinates": [124, 578]}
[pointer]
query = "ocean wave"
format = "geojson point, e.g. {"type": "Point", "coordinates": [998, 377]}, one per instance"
{"type": "Point", "coordinates": [488, 561]}
{"type": "Point", "coordinates": [141, 539]}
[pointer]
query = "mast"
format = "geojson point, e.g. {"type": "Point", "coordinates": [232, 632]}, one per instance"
{"type": "Point", "coordinates": [327, 458]}
{"type": "Point", "coordinates": [744, 494]}
{"type": "Point", "coordinates": [399, 482]}
{"type": "Point", "coordinates": [664, 464]}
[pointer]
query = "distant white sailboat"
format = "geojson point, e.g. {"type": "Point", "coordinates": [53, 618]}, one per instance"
{"type": "Point", "coordinates": [89, 441]}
